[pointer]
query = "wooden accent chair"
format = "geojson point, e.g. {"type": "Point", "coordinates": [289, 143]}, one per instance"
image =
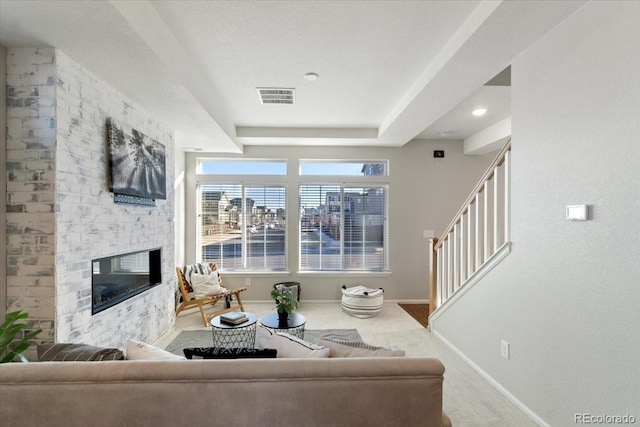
{"type": "Point", "coordinates": [189, 300]}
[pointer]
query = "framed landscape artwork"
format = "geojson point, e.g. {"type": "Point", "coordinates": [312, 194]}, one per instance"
{"type": "Point", "coordinates": [137, 163]}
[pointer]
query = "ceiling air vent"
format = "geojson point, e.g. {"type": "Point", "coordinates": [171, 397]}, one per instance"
{"type": "Point", "coordinates": [276, 95]}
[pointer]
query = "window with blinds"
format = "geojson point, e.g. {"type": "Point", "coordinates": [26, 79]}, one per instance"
{"type": "Point", "coordinates": [343, 227]}
{"type": "Point", "coordinates": [242, 227]}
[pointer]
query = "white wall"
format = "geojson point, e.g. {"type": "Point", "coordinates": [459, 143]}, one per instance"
{"type": "Point", "coordinates": [179, 209]}
{"type": "Point", "coordinates": [3, 174]}
{"type": "Point", "coordinates": [568, 297]}
{"type": "Point", "coordinates": [425, 193]}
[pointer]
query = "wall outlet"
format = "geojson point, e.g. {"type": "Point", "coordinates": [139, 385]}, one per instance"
{"type": "Point", "coordinates": [247, 281]}
{"type": "Point", "coordinates": [504, 349]}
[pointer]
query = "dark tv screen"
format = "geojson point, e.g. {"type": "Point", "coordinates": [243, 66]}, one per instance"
{"type": "Point", "coordinates": [137, 163]}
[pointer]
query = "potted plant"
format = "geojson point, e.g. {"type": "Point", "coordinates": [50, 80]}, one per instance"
{"type": "Point", "coordinates": [8, 331]}
{"type": "Point", "coordinates": [285, 303]}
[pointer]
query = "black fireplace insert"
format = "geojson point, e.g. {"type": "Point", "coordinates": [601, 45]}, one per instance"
{"type": "Point", "coordinates": [120, 277]}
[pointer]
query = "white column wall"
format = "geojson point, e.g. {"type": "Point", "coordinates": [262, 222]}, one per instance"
{"type": "Point", "coordinates": [567, 297]}
{"type": "Point", "coordinates": [3, 179]}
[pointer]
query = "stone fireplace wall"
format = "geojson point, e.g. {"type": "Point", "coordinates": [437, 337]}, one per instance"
{"type": "Point", "coordinates": [30, 206]}
{"type": "Point", "coordinates": [61, 213]}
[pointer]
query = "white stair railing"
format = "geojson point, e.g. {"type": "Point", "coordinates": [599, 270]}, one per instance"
{"type": "Point", "coordinates": [477, 233]}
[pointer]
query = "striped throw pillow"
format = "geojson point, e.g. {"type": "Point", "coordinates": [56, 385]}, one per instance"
{"type": "Point", "coordinates": [342, 348]}
{"type": "Point", "coordinates": [67, 352]}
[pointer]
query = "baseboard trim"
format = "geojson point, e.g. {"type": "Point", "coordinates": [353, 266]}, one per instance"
{"type": "Point", "coordinates": [524, 408]}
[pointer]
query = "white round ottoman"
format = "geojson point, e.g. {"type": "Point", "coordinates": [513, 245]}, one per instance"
{"type": "Point", "coordinates": [359, 301]}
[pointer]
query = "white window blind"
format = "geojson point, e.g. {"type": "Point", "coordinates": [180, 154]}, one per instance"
{"type": "Point", "coordinates": [242, 227]}
{"type": "Point", "coordinates": [131, 263]}
{"type": "Point", "coordinates": [343, 227]}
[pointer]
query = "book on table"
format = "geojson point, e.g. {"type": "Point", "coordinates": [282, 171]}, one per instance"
{"type": "Point", "coordinates": [234, 317]}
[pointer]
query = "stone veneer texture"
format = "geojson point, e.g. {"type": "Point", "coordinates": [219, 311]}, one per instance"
{"type": "Point", "coordinates": [74, 219]}
{"type": "Point", "coordinates": [31, 141]}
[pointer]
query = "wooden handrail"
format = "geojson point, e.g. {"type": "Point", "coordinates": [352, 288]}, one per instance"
{"type": "Point", "coordinates": [477, 189]}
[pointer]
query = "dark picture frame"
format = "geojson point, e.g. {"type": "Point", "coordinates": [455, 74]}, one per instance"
{"type": "Point", "coordinates": [137, 163]}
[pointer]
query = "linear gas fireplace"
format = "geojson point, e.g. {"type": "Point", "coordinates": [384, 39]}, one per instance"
{"type": "Point", "coordinates": [120, 277]}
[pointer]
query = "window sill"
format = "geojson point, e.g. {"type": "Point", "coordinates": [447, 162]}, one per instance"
{"type": "Point", "coordinates": [344, 273]}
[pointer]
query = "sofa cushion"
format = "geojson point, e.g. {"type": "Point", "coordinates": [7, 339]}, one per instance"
{"type": "Point", "coordinates": [287, 345]}
{"type": "Point", "coordinates": [137, 350]}
{"type": "Point", "coordinates": [68, 352]}
{"type": "Point", "coordinates": [342, 348]}
{"type": "Point", "coordinates": [229, 353]}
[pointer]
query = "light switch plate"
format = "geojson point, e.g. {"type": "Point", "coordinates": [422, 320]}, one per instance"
{"type": "Point", "coordinates": [505, 349]}
{"type": "Point", "coordinates": [427, 234]}
{"type": "Point", "coordinates": [578, 212]}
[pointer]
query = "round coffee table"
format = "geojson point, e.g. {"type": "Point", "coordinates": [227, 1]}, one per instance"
{"type": "Point", "coordinates": [234, 336]}
{"type": "Point", "coordinates": [295, 324]}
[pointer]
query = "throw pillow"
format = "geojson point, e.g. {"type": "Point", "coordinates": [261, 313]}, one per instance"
{"type": "Point", "coordinates": [229, 353]}
{"type": "Point", "coordinates": [341, 348]}
{"type": "Point", "coordinates": [287, 345]}
{"type": "Point", "coordinates": [137, 350]}
{"type": "Point", "coordinates": [188, 270]}
{"type": "Point", "coordinates": [206, 284]}
{"type": "Point", "coordinates": [67, 352]}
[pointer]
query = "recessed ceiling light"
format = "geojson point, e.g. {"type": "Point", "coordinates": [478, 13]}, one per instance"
{"type": "Point", "coordinates": [312, 77]}
{"type": "Point", "coordinates": [446, 133]}
{"type": "Point", "coordinates": [479, 112]}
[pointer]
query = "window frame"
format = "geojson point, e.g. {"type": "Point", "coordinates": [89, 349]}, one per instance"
{"type": "Point", "coordinates": [292, 182]}
{"type": "Point", "coordinates": [224, 160]}
{"type": "Point", "coordinates": [243, 181]}
{"type": "Point", "coordinates": [302, 162]}
{"type": "Point", "coordinates": [345, 181]}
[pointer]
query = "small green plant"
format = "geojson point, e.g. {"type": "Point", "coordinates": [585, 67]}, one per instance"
{"type": "Point", "coordinates": [285, 301]}
{"type": "Point", "coordinates": [8, 332]}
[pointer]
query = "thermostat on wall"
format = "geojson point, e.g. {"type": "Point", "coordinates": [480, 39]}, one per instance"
{"type": "Point", "coordinates": [578, 212]}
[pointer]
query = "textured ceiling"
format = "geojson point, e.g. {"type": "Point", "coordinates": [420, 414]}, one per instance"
{"type": "Point", "coordinates": [390, 71]}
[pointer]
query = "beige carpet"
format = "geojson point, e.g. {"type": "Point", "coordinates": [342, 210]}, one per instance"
{"type": "Point", "coordinates": [469, 400]}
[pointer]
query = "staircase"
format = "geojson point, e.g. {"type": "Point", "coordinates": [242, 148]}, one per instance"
{"type": "Point", "coordinates": [475, 241]}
